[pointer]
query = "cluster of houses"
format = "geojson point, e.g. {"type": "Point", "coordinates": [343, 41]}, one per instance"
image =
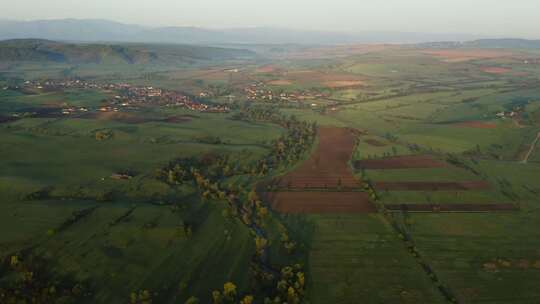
{"type": "Point", "coordinates": [135, 96]}
{"type": "Point", "coordinates": [74, 110]}
{"type": "Point", "coordinates": [257, 92]}
{"type": "Point", "coordinates": [514, 113]}
{"type": "Point", "coordinates": [129, 97]}
{"type": "Point", "coordinates": [66, 84]}
{"type": "Point", "coordinates": [509, 114]}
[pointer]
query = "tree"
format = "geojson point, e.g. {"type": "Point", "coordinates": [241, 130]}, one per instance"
{"type": "Point", "coordinates": [292, 296]}
{"type": "Point", "coordinates": [247, 300]}
{"type": "Point", "coordinates": [217, 297]}
{"type": "Point", "coordinates": [260, 244]}
{"type": "Point", "coordinates": [14, 261]}
{"type": "Point", "coordinates": [171, 177]}
{"type": "Point", "coordinates": [301, 279]}
{"type": "Point", "coordinates": [252, 196]}
{"type": "Point", "coordinates": [229, 290]}
{"type": "Point", "coordinates": [262, 212]}
{"type": "Point", "coordinates": [104, 135]}
{"type": "Point", "coordinates": [289, 246]}
{"type": "Point", "coordinates": [105, 196]}
{"type": "Point", "coordinates": [192, 300]}
{"type": "Point", "coordinates": [142, 297]}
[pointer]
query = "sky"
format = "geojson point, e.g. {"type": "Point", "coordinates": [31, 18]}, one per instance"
{"type": "Point", "coordinates": [516, 18]}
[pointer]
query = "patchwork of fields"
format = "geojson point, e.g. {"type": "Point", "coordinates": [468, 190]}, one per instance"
{"type": "Point", "coordinates": [421, 187]}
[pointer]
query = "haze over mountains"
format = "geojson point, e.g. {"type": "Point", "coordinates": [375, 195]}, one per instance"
{"type": "Point", "coordinates": [109, 31]}
{"type": "Point", "coordinates": [99, 41]}
{"type": "Point", "coordinates": [36, 50]}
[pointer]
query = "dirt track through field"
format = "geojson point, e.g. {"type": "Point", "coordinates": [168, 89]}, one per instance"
{"type": "Point", "coordinates": [324, 183]}
{"type": "Point", "coordinates": [476, 125]}
{"type": "Point", "coordinates": [401, 162]}
{"type": "Point", "coordinates": [374, 142]}
{"type": "Point", "coordinates": [531, 149]}
{"type": "Point", "coordinates": [452, 207]}
{"type": "Point", "coordinates": [432, 186]}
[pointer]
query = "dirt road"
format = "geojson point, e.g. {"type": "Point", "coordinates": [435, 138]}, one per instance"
{"type": "Point", "coordinates": [531, 149]}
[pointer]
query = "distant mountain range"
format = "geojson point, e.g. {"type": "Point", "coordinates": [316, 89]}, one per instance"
{"type": "Point", "coordinates": [504, 43]}
{"type": "Point", "coordinates": [84, 53]}
{"type": "Point", "coordinates": [109, 31]}
{"type": "Point", "coordinates": [485, 43]}
{"type": "Point", "coordinates": [101, 41]}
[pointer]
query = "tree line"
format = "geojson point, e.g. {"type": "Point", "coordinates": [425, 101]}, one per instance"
{"type": "Point", "coordinates": [209, 175]}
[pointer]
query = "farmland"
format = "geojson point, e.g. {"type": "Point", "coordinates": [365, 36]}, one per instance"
{"type": "Point", "coordinates": [323, 183]}
{"type": "Point", "coordinates": [358, 174]}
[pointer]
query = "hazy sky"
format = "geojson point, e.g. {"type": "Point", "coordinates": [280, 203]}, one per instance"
{"type": "Point", "coordinates": [492, 17]}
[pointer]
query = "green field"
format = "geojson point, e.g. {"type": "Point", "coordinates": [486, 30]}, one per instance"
{"type": "Point", "coordinates": [360, 259]}
{"type": "Point", "coordinates": [143, 198]}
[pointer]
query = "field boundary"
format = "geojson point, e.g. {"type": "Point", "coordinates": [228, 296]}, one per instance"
{"type": "Point", "coordinates": [401, 162]}
{"type": "Point", "coordinates": [432, 186]}
{"type": "Point", "coordinates": [449, 208]}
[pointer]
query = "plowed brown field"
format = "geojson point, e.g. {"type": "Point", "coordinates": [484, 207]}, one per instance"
{"type": "Point", "coordinates": [496, 70]}
{"type": "Point", "coordinates": [327, 168]}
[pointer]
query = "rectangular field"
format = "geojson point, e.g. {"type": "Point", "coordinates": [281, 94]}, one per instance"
{"type": "Point", "coordinates": [401, 162]}
{"type": "Point", "coordinates": [359, 259]}
{"type": "Point", "coordinates": [321, 202]}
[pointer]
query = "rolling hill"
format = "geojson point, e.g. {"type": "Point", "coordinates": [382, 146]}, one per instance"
{"type": "Point", "coordinates": [52, 51]}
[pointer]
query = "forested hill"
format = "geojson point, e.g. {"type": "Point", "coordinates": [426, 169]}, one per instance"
{"type": "Point", "coordinates": [52, 51]}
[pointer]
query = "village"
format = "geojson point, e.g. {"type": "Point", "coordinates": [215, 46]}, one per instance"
{"type": "Point", "coordinates": [128, 97]}
{"type": "Point", "coordinates": [259, 92]}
